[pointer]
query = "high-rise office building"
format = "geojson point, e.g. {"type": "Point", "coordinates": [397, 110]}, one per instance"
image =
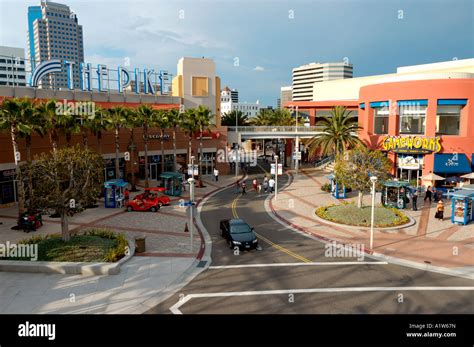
{"type": "Point", "coordinates": [228, 104]}
{"type": "Point", "coordinates": [305, 76]}
{"type": "Point", "coordinates": [54, 33]}
{"type": "Point", "coordinates": [286, 94]}
{"type": "Point", "coordinates": [12, 66]}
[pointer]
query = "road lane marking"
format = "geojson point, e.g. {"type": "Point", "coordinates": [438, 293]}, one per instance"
{"type": "Point", "coordinates": [335, 263]}
{"type": "Point", "coordinates": [280, 248]}
{"type": "Point", "coordinates": [176, 307]}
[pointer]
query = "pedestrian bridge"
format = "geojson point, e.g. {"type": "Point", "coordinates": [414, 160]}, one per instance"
{"type": "Point", "coordinates": [275, 132]}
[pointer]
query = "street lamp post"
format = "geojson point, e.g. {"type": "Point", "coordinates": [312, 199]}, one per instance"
{"type": "Point", "coordinates": [237, 141]}
{"type": "Point", "coordinates": [297, 144]}
{"type": "Point", "coordinates": [276, 177]}
{"type": "Point", "coordinates": [373, 179]}
{"type": "Point", "coordinates": [191, 182]}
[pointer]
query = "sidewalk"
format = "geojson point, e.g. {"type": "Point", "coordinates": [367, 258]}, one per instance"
{"type": "Point", "coordinates": [144, 281]}
{"type": "Point", "coordinates": [428, 241]}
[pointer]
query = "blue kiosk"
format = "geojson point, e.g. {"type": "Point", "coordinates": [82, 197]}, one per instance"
{"type": "Point", "coordinates": [336, 191]}
{"type": "Point", "coordinates": [462, 204]}
{"type": "Point", "coordinates": [114, 193]}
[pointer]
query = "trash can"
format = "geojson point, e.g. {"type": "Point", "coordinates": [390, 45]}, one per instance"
{"type": "Point", "coordinates": [140, 244]}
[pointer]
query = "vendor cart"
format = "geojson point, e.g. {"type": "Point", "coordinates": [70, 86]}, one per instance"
{"type": "Point", "coordinates": [394, 194]}
{"type": "Point", "coordinates": [462, 204]}
{"type": "Point", "coordinates": [114, 193]}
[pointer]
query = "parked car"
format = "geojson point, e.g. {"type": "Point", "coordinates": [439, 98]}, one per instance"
{"type": "Point", "coordinates": [143, 205]}
{"type": "Point", "coordinates": [157, 194]}
{"type": "Point", "coordinates": [238, 234]}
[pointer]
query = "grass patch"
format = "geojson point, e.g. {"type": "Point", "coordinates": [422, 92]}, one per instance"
{"type": "Point", "coordinates": [94, 245]}
{"type": "Point", "coordinates": [350, 214]}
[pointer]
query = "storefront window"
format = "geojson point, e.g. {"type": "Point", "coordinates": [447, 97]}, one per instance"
{"type": "Point", "coordinates": [412, 119]}
{"type": "Point", "coordinates": [381, 120]}
{"type": "Point", "coordinates": [448, 118]}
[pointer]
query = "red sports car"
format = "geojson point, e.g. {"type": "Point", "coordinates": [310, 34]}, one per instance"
{"type": "Point", "coordinates": [151, 200]}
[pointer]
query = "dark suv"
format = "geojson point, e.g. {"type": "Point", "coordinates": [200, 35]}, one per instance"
{"type": "Point", "coordinates": [238, 234]}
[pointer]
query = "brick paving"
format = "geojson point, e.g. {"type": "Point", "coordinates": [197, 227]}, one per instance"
{"type": "Point", "coordinates": [429, 240]}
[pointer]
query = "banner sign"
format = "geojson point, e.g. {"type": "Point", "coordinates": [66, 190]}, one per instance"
{"type": "Point", "coordinates": [412, 144]}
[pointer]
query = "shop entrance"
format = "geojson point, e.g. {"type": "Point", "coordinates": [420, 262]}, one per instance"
{"type": "Point", "coordinates": [153, 171]}
{"type": "Point", "coordinates": [207, 163]}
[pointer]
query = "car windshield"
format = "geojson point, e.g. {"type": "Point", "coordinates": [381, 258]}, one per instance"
{"type": "Point", "coordinates": [240, 229]}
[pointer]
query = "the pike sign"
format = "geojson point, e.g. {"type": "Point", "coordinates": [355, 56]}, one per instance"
{"type": "Point", "coordinates": [101, 74]}
{"type": "Point", "coordinates": [412, 144]}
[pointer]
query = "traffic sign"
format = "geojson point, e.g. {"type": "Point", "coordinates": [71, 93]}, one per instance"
{"type": "Point", "coordinates": [192, 172]}
{"type": "Point", "coordinates": [280, 168]}
{"type": "Point", "coordinates": [187, 203]}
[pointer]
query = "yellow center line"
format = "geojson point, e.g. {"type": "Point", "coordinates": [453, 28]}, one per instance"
{"type": "Point", "coordinates": [280, 248]}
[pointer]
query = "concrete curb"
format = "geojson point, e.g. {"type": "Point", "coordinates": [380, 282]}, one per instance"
{"type": "Point", "coordinates": [192, 271]}
{"type": "Point", "coordinates": [67, 268]}
{"type": "Point", "coordinates": [465, 272]}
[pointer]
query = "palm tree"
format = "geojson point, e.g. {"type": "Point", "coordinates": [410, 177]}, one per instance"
{"type": "Point", "coordinates": [132, 122]}
{"type": "Point", "coordinates": [190, 126]}
{"type": "Point", "coordinates": [203, 121]}
{"type": "Point", "coordinates": [36, 125]}
{"type": "Point", "coordinates": [229, 118]}
{"type": "Point", "coordinates": [12, 115]}
{"type": "Point", "coordinates": [117, 118]}
{"type": "Point", "coordinates": [264, 117]}
{"type": "Point", "coordinates": [47, 111]}
{"type": "Point", "coordinates": [145, 114]}
{"type": "Point", "coordinates": [339, 133]}
{"type": "Point", "coordinates": [161, 121]}
{"type": "Point", "coordinates": [175, 120]}
{"type": "Point", "coordinates": [98, 124]}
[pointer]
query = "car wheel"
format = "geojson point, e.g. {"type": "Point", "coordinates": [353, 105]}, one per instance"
{"type": "Point", "coordinates": [153, 209]}
{"type": "Point", "coordinates": [129, 208]}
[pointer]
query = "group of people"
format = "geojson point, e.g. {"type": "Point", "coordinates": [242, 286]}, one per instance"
{"type": "Point", "coordinates": [268, 186]}
{"type": "Point", "coordinates": [430, 194]}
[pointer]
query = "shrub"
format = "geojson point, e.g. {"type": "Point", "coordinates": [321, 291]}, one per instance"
{"type": "Point", "coordinates": [326, 187]}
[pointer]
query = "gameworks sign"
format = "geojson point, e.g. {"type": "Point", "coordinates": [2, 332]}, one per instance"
{"type": "Point", "coordinates": [412, 144]}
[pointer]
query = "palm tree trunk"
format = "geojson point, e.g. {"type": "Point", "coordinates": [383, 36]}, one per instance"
{"type": "Point", "coordinates": [30, 174]}
{"type": "Point", "coordinates": [145, 141]}
{"type": "Point", "coordinates": [117, 150]}
{"type": "Point", "coordinates": [53, 138]}
{"type": "Point", "coordinates": [85, 138]}
{"type": "Point", "coordinates": [132, 159]}
{"type": "Point", "coordinates": [200, 157]}
{"type": "Point", "coordinates": [162, 152]}
{"type": "Point", "coordinates": [21, 195]}
{"type": "Point", "coordinates": [175, 164]}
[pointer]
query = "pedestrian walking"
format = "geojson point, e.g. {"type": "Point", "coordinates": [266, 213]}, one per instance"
{"type": "Point", "coordinates": [414, 200]}
{"type": "Point", "coordinates": [126, 196]}
{"type": "Point", "coordinates": [259, 188]}
{"type": "Point", "coordinates": [271, 184]}
{"type": "Point", "coordinates": [440, 210]}
{"type": "Point", "coordinates": [428, 195]}
{"type": "Point", "coordinates": [244, 188]}
{"type": "Point", "coordinates": [254, 184]}
{"type": "Point", "coordinates": [216, 175]}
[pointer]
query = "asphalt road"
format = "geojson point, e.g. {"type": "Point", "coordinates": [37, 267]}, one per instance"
{"type": "Point", "coordinates": [323, 285]}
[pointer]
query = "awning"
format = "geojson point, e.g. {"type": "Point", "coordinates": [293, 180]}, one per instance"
{"type": "Point", "coordinates": [362, 105]}
{"type": "Point", "coordinates": [451, 163]}
{"type": "Point", "coordinates": [422, 102]}
{"type": "Point", "coordinates": [460, 102]}
{"type": "Point", "coordinates": [376, 104]}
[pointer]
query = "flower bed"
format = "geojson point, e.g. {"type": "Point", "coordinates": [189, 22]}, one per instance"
{"type": "Point", "coordinates": [350, 214]}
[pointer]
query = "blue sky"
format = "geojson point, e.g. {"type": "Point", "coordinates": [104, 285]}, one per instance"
{"type": "Point", "coordinates": [267, 37]}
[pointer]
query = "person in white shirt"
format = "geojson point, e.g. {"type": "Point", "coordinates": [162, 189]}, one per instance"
{"type": "Point", "coordinates": [216, 174]}
{"type": "Point", "coordinates": [271, 184]}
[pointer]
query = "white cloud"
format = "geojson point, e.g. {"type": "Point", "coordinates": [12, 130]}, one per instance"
{"type": "Point", "coordinates": [258, 68]}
